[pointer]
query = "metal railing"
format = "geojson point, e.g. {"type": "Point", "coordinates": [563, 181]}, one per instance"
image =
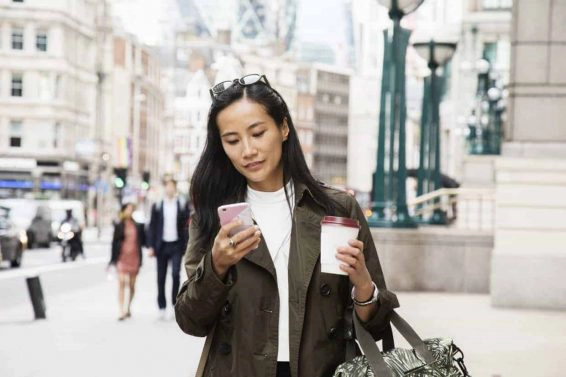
{"type": "Point", "coordinates": [466, 208]}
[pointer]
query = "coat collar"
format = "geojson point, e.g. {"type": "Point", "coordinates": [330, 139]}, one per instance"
{"type": "Point", "coordinates": [305, 230]}
{"type": "Point", "coordinates": [300, 190]}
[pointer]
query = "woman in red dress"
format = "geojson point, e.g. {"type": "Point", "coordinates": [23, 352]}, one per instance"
{"type": "Point", "coordinates": [127, 242]}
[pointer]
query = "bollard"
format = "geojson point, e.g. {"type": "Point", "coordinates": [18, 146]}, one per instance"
{"type": "Point", "coordinates": [36, 296]}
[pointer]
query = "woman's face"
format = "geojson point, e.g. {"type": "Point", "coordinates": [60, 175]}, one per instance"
{"type": "Point", "coordinates": [128, 211]}
{"type": "Point", "coordinates": [253, 142]}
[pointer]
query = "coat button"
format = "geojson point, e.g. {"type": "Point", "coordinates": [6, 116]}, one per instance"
{"type": "Point", "coordinates": [198, 274]}
{"type": "Point", "coordinates": [332, 332]}
{"type": "Point", "coordinates": [224, 348]}
{"type": "Point", "coordinates": [325, 290]}
{"type": "Point", "coordinates": [227, 309]}
{"type": "Point", "coordinates": [348, 334]}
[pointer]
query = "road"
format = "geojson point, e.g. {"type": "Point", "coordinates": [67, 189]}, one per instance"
{"type": "Point", "coordinates": [82, 336]}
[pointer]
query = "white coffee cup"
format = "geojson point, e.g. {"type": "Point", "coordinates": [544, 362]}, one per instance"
{"type": "Point", "coordinates": [335, 232]}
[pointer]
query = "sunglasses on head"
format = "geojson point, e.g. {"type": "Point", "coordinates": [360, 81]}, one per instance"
{"type": "Point", "coordinates": [244, 81]}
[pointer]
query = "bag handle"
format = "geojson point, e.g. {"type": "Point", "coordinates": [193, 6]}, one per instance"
{"type": "Point", "coordinates": [371, 350]}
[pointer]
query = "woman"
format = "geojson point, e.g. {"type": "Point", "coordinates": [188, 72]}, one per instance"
{"type": "Point", "coordinates": [127, 242]}
{"type": "Point", "coordinates": [263, 302]}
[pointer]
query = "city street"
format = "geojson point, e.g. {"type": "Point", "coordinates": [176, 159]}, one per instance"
{"type": "Point", "coordinates": [82, 335]}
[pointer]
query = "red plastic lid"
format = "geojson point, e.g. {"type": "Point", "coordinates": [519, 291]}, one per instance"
{"type": "Point", "coordinates": [344, 221]}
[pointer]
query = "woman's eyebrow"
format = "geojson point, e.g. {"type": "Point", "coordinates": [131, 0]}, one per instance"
{"type": "Point", "coordinates": [255, 124]}
{"type": "Point", "coordinates": [251, 126]}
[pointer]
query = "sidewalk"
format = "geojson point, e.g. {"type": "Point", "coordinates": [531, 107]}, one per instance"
{"type": "Point", "coordinates": [82, 336]}
{"type": "Point", "coordinates": [496, 342]}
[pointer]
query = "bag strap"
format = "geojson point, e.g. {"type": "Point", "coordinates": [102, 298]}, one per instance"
{"type": "Point", "coordinates": [411, 336]}
{"type": "Point", "coordinates": [388, 343]}
{"type": "Point", "coordinates": [205, 352]}
{"type": "Point", "coordinates": [371, 350]}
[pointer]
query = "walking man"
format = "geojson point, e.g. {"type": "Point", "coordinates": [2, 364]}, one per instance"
{"type": "Point", "coordinates": [167, 238]}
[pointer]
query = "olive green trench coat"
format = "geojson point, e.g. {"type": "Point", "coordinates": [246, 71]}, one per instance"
{"type": "Point", "coordinates": [242, 312]}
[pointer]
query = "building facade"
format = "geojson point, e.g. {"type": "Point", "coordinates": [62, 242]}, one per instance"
{"type": "Point", "coordinates": [137, 110]}
{"type": "Point", "coordinates": [47, 97]}
{"type": "Point", "coordinates": [190, 121]}
{"type": "Point", "coordinates": [330, 89]}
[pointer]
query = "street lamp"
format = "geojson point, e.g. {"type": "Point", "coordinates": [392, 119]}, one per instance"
{"type": "Point", "coordinates": [389, 207]}
{"type": "Point", "coordinates": [437, 54]}
{"type": "Point", "coordinates": [485, 127]}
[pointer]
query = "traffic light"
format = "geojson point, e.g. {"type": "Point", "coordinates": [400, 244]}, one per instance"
{"type": "Point", "coordinates": [120, 177]}
{"type": "Point", "coordinates": [145, 180]}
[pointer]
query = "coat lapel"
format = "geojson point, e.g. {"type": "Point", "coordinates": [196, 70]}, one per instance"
{"type": "Point", "coordinates": [262, 258]}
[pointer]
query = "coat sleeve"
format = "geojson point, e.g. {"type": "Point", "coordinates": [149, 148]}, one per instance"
{"type": "Point", "coordinates": [115, 244]}
{"type": "Point", "coordinates": [150, 231]}
{"type": "Point", "coordinates": [386, 300]}
{"type": "Point", "coordinates": [201, 297]}
{"type": "Point", "coordinates": [141, 241]}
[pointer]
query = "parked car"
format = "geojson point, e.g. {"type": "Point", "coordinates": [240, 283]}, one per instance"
{"type": "Point", "coordinates": [13, 240]}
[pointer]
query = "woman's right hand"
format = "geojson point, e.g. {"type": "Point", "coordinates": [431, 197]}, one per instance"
{"type": "Point", "coordinates": [226, 254]}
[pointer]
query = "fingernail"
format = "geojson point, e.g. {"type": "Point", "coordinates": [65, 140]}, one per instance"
{"type": "Point", "coordinates": [258, 233]}
{"type": "Point", "coordinates": [256, 227]}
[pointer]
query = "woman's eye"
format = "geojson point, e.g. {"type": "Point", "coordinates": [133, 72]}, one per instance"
{"type": "Point", "coordinates": [232, 142]}
{"type": "Point", "coordinates": [258, 134]}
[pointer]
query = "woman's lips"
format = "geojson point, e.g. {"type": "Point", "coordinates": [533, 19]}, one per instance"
{"type": "Point", "coordinates": [254, 166]}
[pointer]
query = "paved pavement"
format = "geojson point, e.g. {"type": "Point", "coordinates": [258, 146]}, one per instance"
{"type": "Point", "coordinates": [82, 336]}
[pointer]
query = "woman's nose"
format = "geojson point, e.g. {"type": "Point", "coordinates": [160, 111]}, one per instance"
{"type": "Point", "coordinates": [249, 148]}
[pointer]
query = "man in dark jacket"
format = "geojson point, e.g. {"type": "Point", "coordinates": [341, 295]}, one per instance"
{"type": "Point", "coordinates": [168, 235]}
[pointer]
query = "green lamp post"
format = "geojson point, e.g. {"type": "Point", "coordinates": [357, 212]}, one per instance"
{"type": "Point", "coordinates": [436, 54]}
{"type": "Point", "coordinates": [485, 123]}
{"type": "Point", "coordinates": [389, 208]}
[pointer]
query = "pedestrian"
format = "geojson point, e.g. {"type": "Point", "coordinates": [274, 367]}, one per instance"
{"type": "Point", "coordinates": [259, 295]}
{"type": "Point", "coordinates": [127, 242]}
{"type": "Point", "coordinates": [167, 239]}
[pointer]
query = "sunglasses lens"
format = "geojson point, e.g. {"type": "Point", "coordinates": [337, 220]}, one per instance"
{"type": "Point", "coordinates": [219, 88]}
{"type": "Point", "coordinates": [250, 79]}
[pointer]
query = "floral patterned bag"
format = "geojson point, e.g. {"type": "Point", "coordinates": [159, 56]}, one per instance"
{"type": "Point", "coordinates": [437, 357]}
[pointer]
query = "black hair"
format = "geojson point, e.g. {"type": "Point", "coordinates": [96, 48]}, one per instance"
{"type": "Point", "coordinates": [216, 181]}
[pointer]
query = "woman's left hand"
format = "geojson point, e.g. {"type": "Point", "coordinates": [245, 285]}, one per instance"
{"type": "Point", "coordinates": [354, 264]}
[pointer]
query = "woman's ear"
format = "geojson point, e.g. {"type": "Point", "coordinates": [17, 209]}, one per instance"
{"type": "Point", "coordinates": [285, 130]}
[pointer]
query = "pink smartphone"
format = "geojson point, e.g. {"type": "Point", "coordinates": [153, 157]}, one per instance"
{"type": "Point", "coordinates": [229, 212]}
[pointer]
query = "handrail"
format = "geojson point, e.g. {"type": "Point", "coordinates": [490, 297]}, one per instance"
{"type": "Point", "coordinates": [464, 207]}
{"type": "Point", "coordinates": [451, 192]}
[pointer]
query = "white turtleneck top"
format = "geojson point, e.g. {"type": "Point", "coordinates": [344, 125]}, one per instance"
{"type": "Point", "coordinates": [271, 213]}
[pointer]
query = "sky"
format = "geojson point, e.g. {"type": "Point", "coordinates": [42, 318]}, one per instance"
{"type": "Point", "coordinates": [142, 18]}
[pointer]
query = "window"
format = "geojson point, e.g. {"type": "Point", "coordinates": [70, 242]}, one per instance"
{"type": "Point", "coordinates": [17, 85]}
{"type": "Point", "coordinates": [490, 51]}
{"type": "Point", "coordinates": [41, 40]}
{"type": "Point", "coordinates": [15, 134]}
{"type": "Point", "coordinates": [17, 38]}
